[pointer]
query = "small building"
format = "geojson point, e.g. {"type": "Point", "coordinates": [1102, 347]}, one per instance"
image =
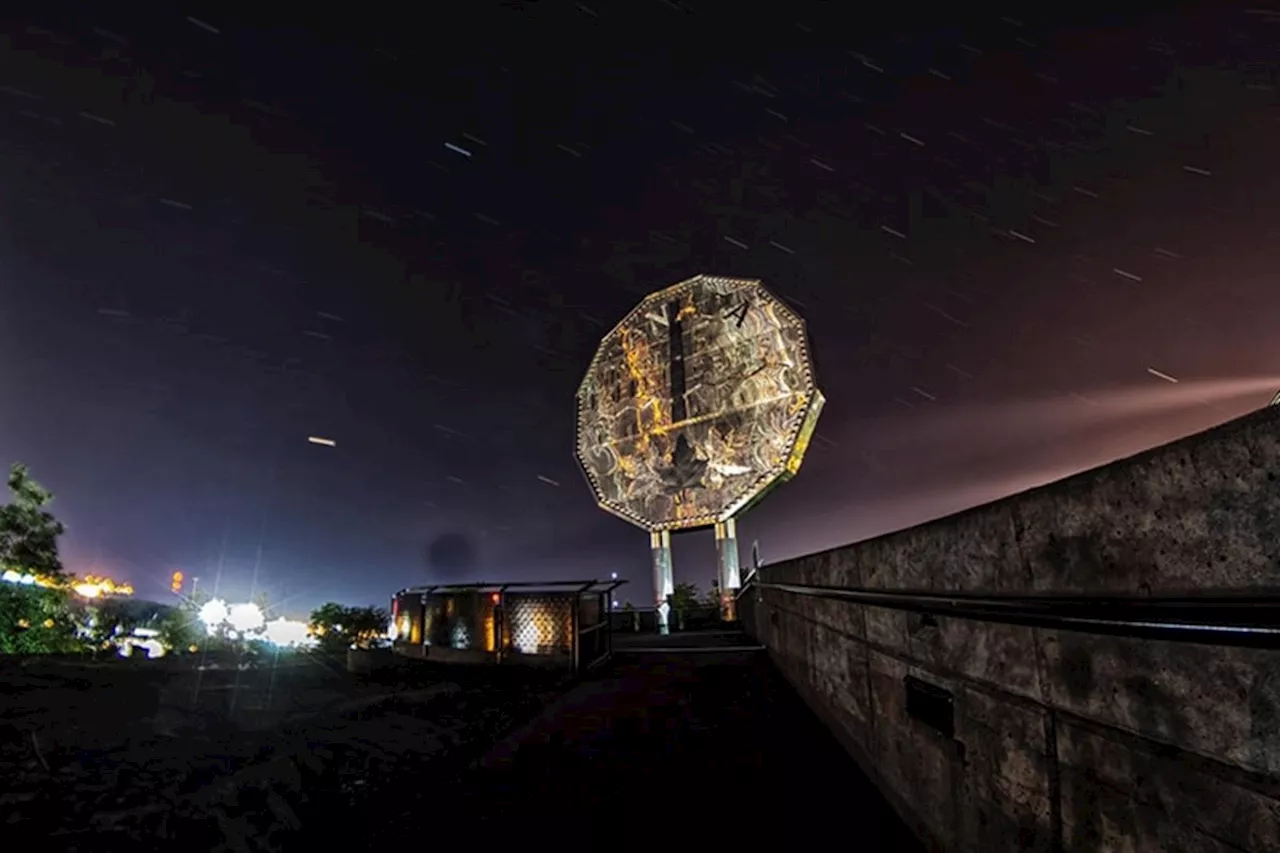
{"type": "Point", "coordinates": [558, 623]}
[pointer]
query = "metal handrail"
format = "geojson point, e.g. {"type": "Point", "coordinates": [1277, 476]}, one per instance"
{"type": "Point", "coordinates": [484, 586]}
{"type": "Point", "coordinates": [1230, 620]}
{"type": "Point", "coordinates": [649, 608]}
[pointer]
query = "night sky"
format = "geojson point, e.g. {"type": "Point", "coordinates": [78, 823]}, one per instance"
{"type": "Point", "coordinates": [221, 235]}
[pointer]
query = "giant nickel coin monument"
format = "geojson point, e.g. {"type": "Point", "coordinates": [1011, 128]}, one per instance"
{"type": "Point", "coordinates": [696, 404]}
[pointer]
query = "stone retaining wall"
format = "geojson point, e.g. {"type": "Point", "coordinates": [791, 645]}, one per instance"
{"type": "Point", "coordinates": [1061, 738]}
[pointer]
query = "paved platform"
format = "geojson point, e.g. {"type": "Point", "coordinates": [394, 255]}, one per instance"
{"type": "Point", "coordinates": [627, 644]}
{"type": "Point", "coordinates": [700, 736]}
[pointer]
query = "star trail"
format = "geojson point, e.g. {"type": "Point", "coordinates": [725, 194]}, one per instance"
{"type": "Point", "coordinates": [313, 295]}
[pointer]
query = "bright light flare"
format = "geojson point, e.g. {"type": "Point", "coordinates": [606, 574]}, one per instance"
{"type": "Point", "coordinates": [288, 633]}
{"type": "Point", "coordinates": [246, 617]}
{"type": "Point", "coordinates": [213, 613]}
{"type": "Point", "coordinates": [327, 442]}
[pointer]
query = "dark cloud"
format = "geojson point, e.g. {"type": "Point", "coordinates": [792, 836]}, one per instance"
{"type": "Point", "coordinates": [451, 558]}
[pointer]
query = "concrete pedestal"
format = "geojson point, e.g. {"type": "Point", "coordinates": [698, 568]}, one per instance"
{"type": "Point", "coordinates": [663, 584]}
{"type": "Point", "coordinates": [730, 573]}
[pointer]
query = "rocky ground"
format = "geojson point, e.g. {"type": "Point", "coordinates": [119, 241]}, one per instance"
{"type": "Point", "coordinates": [161, 755]}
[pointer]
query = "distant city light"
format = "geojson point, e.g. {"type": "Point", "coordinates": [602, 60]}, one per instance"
{"type": "Point", "coordinates": [92, 586]}
{"type": "Point", "coordinates": [89, 586]}
{"type": "Point", "coordinates": [327, 442]}
{"type": "Point", "coordinates": [96, 586]}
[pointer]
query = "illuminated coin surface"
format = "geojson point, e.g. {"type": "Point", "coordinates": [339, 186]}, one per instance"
{"type": "Point", "coordinates": [698, 402]}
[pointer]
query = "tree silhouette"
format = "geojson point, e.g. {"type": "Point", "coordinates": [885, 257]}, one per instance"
{"type": "Point", "coordinates": [29, 532]}
{"type": "Point", "coordinates": [685, 597]}
{"type": "Point", "coordinates": [338, 627]}
{"type": "Point", "coordinates": [34, 619]}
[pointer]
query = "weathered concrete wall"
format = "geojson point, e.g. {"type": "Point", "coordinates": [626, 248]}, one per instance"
{"type": "Point", "coordinates": [1062, 740]}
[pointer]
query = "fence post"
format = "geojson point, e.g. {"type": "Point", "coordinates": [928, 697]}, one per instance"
{"type": "Point", "coordinates": [575, 631]}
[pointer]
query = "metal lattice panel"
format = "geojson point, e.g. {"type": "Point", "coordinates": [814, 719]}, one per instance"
{"type": "Point", "coordinates": [540, 624]}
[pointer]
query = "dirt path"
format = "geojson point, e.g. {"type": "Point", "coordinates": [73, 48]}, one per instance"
{"type": "Point", "coordinates": [702, 742]}
{"type": "Point", "coordinates": [100, 758]}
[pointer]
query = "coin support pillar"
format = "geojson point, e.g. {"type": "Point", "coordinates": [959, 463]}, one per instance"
{"type": "Point", "coordinates": [730, 575]}
{"type": "Point", "coordinates": [663, 584]}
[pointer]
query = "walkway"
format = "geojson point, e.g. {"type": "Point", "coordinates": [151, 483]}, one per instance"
{"type": "Point", "coordinates": [702, 739]}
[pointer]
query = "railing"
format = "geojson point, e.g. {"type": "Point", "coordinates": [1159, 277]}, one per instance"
{"type": "Point", "coordinates": [639, 620]}
{"type": "Point", "coordinates": [1226, 620]}
{"type": "Point", "coordinates": [594, 647]}
{"type": "Point", "coordinates": [644, 620]}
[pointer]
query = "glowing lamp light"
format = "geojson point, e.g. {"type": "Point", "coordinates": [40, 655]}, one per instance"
{"type": "Point", "coordinates": [246, 617]}
{"type": "Point", "coordinates": [288, 633]}
{"type": "Point", "coordinates": [213, 613]}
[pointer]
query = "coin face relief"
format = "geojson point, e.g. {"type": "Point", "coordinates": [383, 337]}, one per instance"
{"type": "Point", "coordinates": [698, 402]}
